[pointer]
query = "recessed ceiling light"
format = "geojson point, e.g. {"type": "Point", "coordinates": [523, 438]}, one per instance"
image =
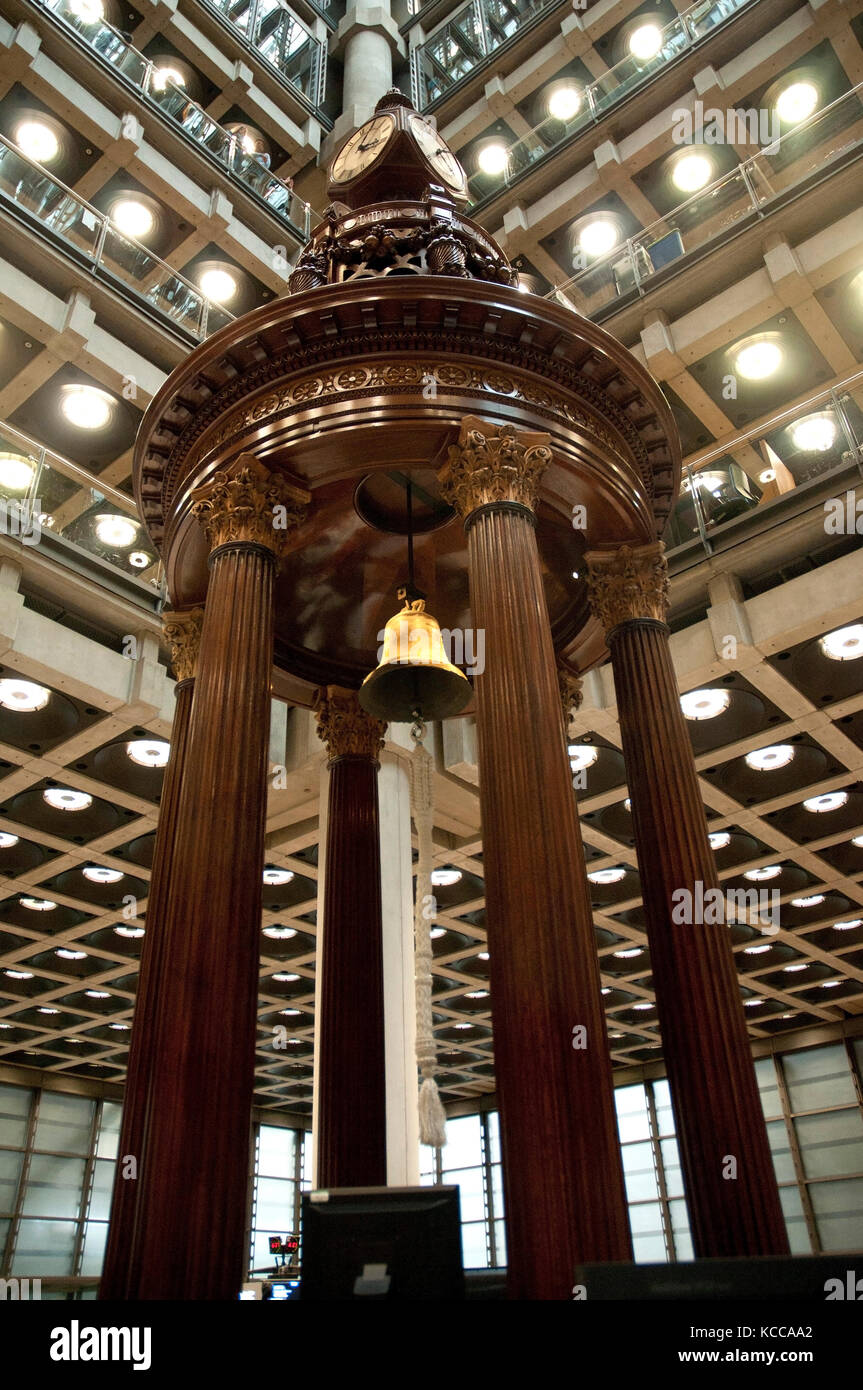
{"type": "Point", "coordinates": [285, 979]}
{"type": "Point", "coordinates": [97, 994]}
{"type": "Point", "coordinates": [277, 876]}
{"type": "Point", "coordinates": [752, 1003]}
{"type": "Point", "coordinates": [162, 76]}
{"type": "Point", "coordinates": [627, 805]}
{"type": "Point", "coordinates": [812, 901]}
{"type": "Point", "coordinates": [119, 531]}
{"type": "Point", "coordinates": [289, 1013]}
{"type": "Point", "coordinates": [445, 878]}
{"type": "Point", "coordinates": [482, 955]}
{"type": "Point", "coordinates": [38, 904]}
{"type": "Point", "coordinates": [43, 1009]}
{"type": "Point", "coordinates": [797, 101]}
{"type": "Point", "coordinates": [606, 875]}
{"type": "Point", "coordinates": [760, 875]}
{"type": "Point", "coordinates": [16, 472]}
{"type": "Point", "coordinates": [831, 984]}
{"type": "Point", "coordinates": [18, 974]}
{"type": "Point", "coordinates": [132, 218]}
{"type": "Point", "coordinates": [7, 840]}
{"type": "Point", "coordinates": [97, 873]}
{"type": "Point", "coordinates": [464, 1026]}
{"type": "Point", "coordinates": [692, 172]}
{"type": "Point", "coordinates": [66, 953]}
{"type": "Point", "coordinates": [850, 925]}
{"type": "Point", "coordinates": [120, 1027]}
{"type": "Point", "coordinates": [73, 1040]}
{"type": "Point", "coordinates": [477, 994]}
{"type": "Point", "coordinates": [139, 559]}
{"type": "Point", "coordinates": [719, 839]}
{"type": "Point", "coordinates": [91, 11]}
{"type": "Point", "coordinates": [767, 759]}
{"type": "Point", "coordinates": [827, 801]}
{"type": "Point", "coordinates": [493, 158]}
{"type": "Point", "coordinates": [642, 1006]}
{"type": "Point", "coordinates": [759, 360]}
{"type": "Point", "coordinates": [23, 695]}
{"type": "Point", "coordinates": [615, 1035]}
{"type": "Point", "coordinates": [564, 103]}
{"type": "Point", "coordinates": [606, 989]}
{"type": "Point", "coordinates": [756, 950]}
{"type": "Point", "coordinates": [132, 932]}
{"type": "Point", "coordinates": [86, 407]}
{"type": "Point", "coordinates": [218, 285]}
{"type": "Point", "coordinates": [149, 752]}
{"type": "Point", "coordinates": [768, 475]}
{"type": "Point", "coordinates": [280, 933]}
{"type": "Point", "coordinates": [64, 799]}
{"type": "Point", "coordinates": [793, 969]}
{"type": "Point", "coordinates": [582, 755]}
{"type": "Point", "coordinates": [705, 704]}
{"type": "Point", "coordinates": [844, 643]}
{"type": "Point", "coordinates": [598, 236]}
{"type": "Point", "coordinates": [437, 932]}
{"type": "Point", "coordinates": [814, 435]}
{"type": "Point", "coordinates": [645, 42]}
{"type": "Point", "coordinates": [629, 954]}
{"type": "Point", "coordinates": [38, 141]}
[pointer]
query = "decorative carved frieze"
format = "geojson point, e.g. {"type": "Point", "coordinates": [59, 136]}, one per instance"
{"type": "Point", "coordinates": [344, 726]}
{"type": "Point", "coordinates": [628, 583]}
{"type": "Point", "coordinates": [182, 629]}
{"type": "Point", "coordinates": [249, 505]}
{"type": "Point", "coordinates": [492, 463]}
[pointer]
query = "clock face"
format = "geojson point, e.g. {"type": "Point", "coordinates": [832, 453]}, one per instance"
{"type": "Point", "coordinates": [364, 147]}
{"type": "Point", "coordinates": [442, 159]}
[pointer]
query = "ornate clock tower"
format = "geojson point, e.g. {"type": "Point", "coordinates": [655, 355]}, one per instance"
{"type": "Point", "coordinates": [396, 189]}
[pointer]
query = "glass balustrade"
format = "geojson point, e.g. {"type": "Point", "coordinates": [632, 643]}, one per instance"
{"type": "Point", "coordinates": [42, 493]}
{"type": "Point", "coordinates": [31, 188]}
{"type": "Point", "coordinates": [280, 38]}
{"type": "Point", "coordinates": [728, 203]}
{"type": "Point", "coordinates": [222, 145]}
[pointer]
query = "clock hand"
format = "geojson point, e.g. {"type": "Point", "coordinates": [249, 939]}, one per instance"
{"type": "Point", "coordinates": [369, 146]}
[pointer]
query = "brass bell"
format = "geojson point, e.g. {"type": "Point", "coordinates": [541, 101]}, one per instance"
{"type": "Point", "coordinates": [414, 678]}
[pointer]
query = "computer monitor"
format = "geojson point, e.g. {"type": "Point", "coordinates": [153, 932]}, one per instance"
{"type": "Point", "coordinates": [382, 1242]}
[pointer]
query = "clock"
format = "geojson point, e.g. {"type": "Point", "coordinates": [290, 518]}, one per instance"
{"type": "Point", "coordinates": [363, 149]}
{"type": "Point", "coordinates": [442, 159]}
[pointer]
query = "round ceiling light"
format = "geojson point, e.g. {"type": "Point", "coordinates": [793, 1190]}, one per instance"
{"type": "Point", "coordinates": [23, 695]}
{"type": "Point", "coordinates": [645, 42]}
{"type": "Point", "coordinates": [43, 1009]}
{"type": "Point", "coordinates": [691, 172]}
{"type": "Point", "coordinates": [630, 953]}
{"type": "Point", "coordinates": [756, 950]}
{"type": "Point", "coordinates": [149, 752]}
{"type": "Point", "coordinates": [642, 1006]}
{"type": "Point", "coordinates": [116, 531]}
{"type": "Point", "coordinates": [606, 876]}
{"type": "Point", "coordinates": [133, 932]}
{"type": "Point", "coordinates": [97, 873]}
{"type": "Point", "coordinates": [705, 704]}
{"type": "Point", "coordinates": [814, 435]}
{"type": "Point", "coordinates": [482, 955]}
{"type": "Point", "coordinates": [120, 1027]}
{"type": "Point", "coordinates": [759, 360]}
{"type": "Point", "coordinates": [582, 755]}
{"type": "Point", "coordinates": [97, 994]}
{"type": "Point", "coordinates": [277, 876]}
{"type": "Point", "coordinates": [445, 878]}
{"type": "Point", "coordinates": [18, 974]}
{"type": "Point", "coordinates": [767, 475]}
{"type": "Point", "coordinates": [66, 953]}
{"type": "Point", "coordinates": [795, 102]}
{"type": "Point", "coordinates": [7, 840]}
{"type": "Point", "coordinates": [827, 801]}
{"type": "Point", "coordinates": [86, 407]}
{"type": "Point", "coordinates": [437, 932]}
{"type": "Point", "coordinates": [38, 904]}
{"type": "Point", "coordinates": [844, 643]}
{"type": "Point", "coordinates": [64, 799]}
{"type": "Point", "coordinates": [162, 76]}
{"type": "Point", "coordinates": [760, 875]}
{"type": "Point", "coordinates": [91, 11]}
{"type": "Point", "coordinates": [848, 926]}
{"type": "Point", "coordinates": [139, 559]}
{"type": "Point", "coordinates": [280, 933]}
{"type": "Point", "coordinates": [285, 979]}
{"type": "Point", "coordinates": [812, 901]}
{"type": "Point", "coordinates": [38, 141]}
{"type": "Point", "coordinates": [132, 217]}
{"type": "Point", "coordinates": [766, 759]}
{"type": "Point", "coordinates": [564, 103]}
{"type": "Point", "coordinates": [627, 805]}
{"type": "Point", "coordinates": [752, 1003]}
{"type": "Point", "coordinates": [493, 158]}
{"type": "Point", "coordinates": [719, 839]}
{"type": "Point", "coordinates": [218, 285]}
{"type": "Point", "coordinates": [858, 841]}
{"type": "Point", "coordinates": [598, 236]}
{"type": "Point", "coordinates": [16, 472]}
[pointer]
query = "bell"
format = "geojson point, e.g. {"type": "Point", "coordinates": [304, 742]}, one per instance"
{"type": "Point", "coordinates": [414, 678]}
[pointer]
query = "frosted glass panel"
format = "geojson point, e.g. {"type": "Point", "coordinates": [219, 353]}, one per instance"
{"type": "Point", "coordinates": [795, 1221]}
{"type": "Point", "coordinates": [470, 1185]}
{"type": "Point", "coordinates": [103, 1187]}
{"type": "Point", "coordinates": [819, 1078]}
{"type": "Point", "coordinates": [831, 1144]}
{"type": "Point", "coordinates": [474, 1245]}
{"type": "Point", "coordinates": [64, 1124]}
{"type": "Point", "coordinates": [671, 1167]}
{"type": "Point", "coordinates": [463, 1146]}
{"type": "Point", "coordinates": [53, 1186]}
{"type": "Point", "coordinates": [783, 1164]}
{"type": "Point", "coordinates": [639, 1172]}
{"type": "Point", "coordinates": [274, 1207]}
{"type": "Point", "coordinates": [95, 1236]}
{"type": "Point", "coordinates": [632, 1118]}
{"type": "Point", "coordinates": [10, 1169]}
{"type": "Point", "coordinates": [109, 1130]}
{"type": "Point", "coordinates": [838, 1208]}
{"type": "Point", "coordinates": [45, 1247]}
{"type": "Point", "coordinates": [664, 1111]}
{"type": "Point", "coordinates": [276, 1152]}
{"type": "Point", "coordinates": [768, 1085]}
{"type": "Point", "coordinates": [14, 1110]}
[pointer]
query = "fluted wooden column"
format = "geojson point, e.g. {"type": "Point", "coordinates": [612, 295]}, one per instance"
{"type": "Point", "coordinates": [182, 631]}
{"type": "Point", "coordinates": [563, 1181]}
{"type": "Point", "coordinates": [351, 1121]}
{"type": "Point", "coordinates": [728, 1173]}
{"type": "Point", "coordinates": [189, 1239]}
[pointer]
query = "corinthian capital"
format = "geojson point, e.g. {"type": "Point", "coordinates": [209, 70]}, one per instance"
{"type": "Point", "coordinates": [627, 583]}
{"type": "Point", "coordinates": [247, 504]}
{"type": "Point", "coordinates": [571, 694]}
{"type": "Point", "coordinates": [182, 629]}
{"type": "Point", "coordinates": [493, 463]}
{"type": "Point", "coordinates": [344, 726]}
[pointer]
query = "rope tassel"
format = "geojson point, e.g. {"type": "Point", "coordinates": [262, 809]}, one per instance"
{"type": "Point", "coordinates": [432, 1116]}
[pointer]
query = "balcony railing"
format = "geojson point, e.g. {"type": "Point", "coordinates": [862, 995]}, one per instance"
{"type": "Point", "coordinates": [43, 494]}
{"type": "Point", "coordinates": [743, 195]}
{"type": "Point", "coordinates": [217, 143]}
{"type": "Point", "coordinates": [798, 446]}
{"type": "Point", "coordinates": [281, 40]}
{"type": "Point", "coordinates": [114, 257]}
{"type": "Point", "coordinates": [474, 33]}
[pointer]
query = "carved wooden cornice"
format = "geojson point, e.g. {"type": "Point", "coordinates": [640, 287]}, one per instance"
{"type": "Point", "coordinates": [628, 583]}
{"type": "Point", "coordinates": [344, 726]}
{"type": "Point", "coordinates": [493, 463]}
{"type": "Point", "coordinates": [249, 505]}
{"type": "Point", "coordinates": [182, 630]}
{"type": "Point", "coordinates": [571, 694]}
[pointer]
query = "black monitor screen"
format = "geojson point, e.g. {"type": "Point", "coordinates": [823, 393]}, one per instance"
{"type": "Point", "coordinates": [382, 1242]}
